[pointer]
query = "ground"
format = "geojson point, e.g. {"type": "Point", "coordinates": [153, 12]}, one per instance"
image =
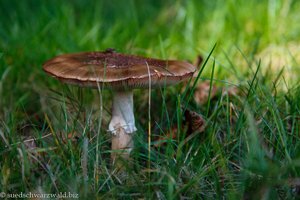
{"type": "Point", "coordinates": [246, 89]}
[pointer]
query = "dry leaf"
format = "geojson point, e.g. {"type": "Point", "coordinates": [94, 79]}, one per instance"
{"type": "Point", "coordinates": [161, 140]}
{"type": "Point", "coordinates": [73, 136]}
{"type": "Point", "coordinates": [193, 122]}
{"type": "Point", "coordinates": [198, 61]}
{"type": "Point", "coordinates": [231, 91]}
{"type": "Point", "coordinates": [202, 92]}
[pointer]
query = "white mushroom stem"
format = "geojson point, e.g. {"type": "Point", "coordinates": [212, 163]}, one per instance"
{"type": "Point", "coordinates": [122, 123]}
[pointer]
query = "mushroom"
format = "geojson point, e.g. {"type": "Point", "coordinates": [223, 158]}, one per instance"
{"type": "Point", "coordinates": [121, 73]}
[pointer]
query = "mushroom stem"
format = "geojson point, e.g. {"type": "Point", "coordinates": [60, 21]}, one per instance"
{"type": "Point", "coordinates": [122, 124]}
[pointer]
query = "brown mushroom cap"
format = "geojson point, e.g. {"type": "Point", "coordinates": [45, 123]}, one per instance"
{"type": "Point", "coordinates": [116, 70]}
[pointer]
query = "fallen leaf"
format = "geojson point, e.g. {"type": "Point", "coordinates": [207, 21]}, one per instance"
{"type": "Point", "coordinates": [72, 136]}
{"type": "Point", "coordinates": [201, 93]}
{"type": "Point", "coordinates": [162, 139]}
{"type": "Point", "coordinates": [193, 122]}
{"type": "Point", "coordinates": [198, 61]}
{"type": "Point", "coordinates": [231, 91]}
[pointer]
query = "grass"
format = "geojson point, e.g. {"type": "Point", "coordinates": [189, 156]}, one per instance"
{"type": "Point", "coordinates": [250, 147]}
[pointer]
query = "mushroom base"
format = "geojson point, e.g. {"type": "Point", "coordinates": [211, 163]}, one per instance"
{"type": "Point", "coordinates": [121, 145]}
{"type": "Point", "coordinates": [122, 124]}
